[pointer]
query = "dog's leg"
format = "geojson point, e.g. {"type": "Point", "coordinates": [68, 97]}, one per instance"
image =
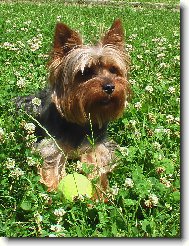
{"type": "Point", "coordinates": [101, 158]}
{"type": "Point", "coordinates": [53, 168]}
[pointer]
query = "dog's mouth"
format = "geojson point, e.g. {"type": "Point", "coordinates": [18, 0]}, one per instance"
{"type": "Point", "coordinates": [106, 101]}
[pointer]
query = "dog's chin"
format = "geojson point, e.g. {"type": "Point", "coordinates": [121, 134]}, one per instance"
{"type": "Point", "coordinates": [106, 102]}
{"type": "Point", "coordinates": [105, 110]}
{"type": "Point", "coordinates": [111, 103]}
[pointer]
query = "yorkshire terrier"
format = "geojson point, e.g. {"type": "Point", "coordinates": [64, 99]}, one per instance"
{"type": "Point", "coordinates": [88, 89]}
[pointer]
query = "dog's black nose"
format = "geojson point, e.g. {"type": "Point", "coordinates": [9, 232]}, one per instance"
{"type": "Point", "coordinates": [108, 88]}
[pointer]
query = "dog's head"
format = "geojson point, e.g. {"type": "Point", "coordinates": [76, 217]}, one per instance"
{"type": "Point", "coordinates": [89, 82]}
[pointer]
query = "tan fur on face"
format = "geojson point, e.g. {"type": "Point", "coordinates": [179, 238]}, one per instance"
{"type": "Point", "coordinates": [79, 58]}
{"type": "Point", "coordinates": [77, 97]}
{"type": "Point", "coordinates": [74, 100]}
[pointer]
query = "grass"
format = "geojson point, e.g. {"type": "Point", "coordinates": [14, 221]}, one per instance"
{"type": "Point", "coordinates": [145, 186]}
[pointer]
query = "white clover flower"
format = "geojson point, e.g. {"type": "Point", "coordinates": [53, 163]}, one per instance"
{"type": "Point", "coordinates": [30, 128]}
{"type": "Point", "coordinates": [177, 58]}
{"type": "Point", "coordinates": [160, 157]}
{"type": "Point", "coordinates": [17, 74]}
{"type": "Point", "coordinates": [139, 56]}
{"type": "Point", "coordinates": [170, 46]}
{"type": "Point", "coordinates": [25, 29]}
{"type": "Point", "coordinates": [132, 81]}
{"type": "Point", "coordinates": [21, 83]}
{"type": "Point", "coordinates": [58, 18]}
{"type": "Point", "coordinates": [124, 151]}
{"type": "Point", "coordinates": [2, 133]}
{"type": "Point", "coordinates": [159, 130]}
{"type": "Point", "coordinates": [138, 105]}
{"type": "Point", "coordinates": [34, 47]}
{"type": "Point", "coordinates": [20, 44]}
{"type": "Point", "coordinates": [129, 47]}
{"type": "Point", "coordinates": [160, 170]}
{"type": "Point", "coordinates": [52, 235]}
{"type": "Point", "coordinates": [46, 198]}
{"type": "Point", "coordinates": [133, 122]}
{"type": "Point", "coordinates": [79, 165]}
{"type": "Point", "coordinates": [171, 89]}
{"type": "Point", "coordinates": [12, 135]}
{"type": "Point", "coordinates": [176, 33]}
{"type": "Point", "coordinates": [136, 67]}
{"type": "Point", "coordinates": [39, 36]}
{"type": "Point", "coordinates": [163, 39]}
{"type": "Point", "coordinates": [167, 131]}
{"type": "Point", "coordinates": [166, 182]}
{"type": "Point", "coordinates": [143, 44]}
{"type": "Point", "coordinates": [80, 197]}
{"type": "Point", "coordinates": [149, 88]}
{"type": "Point", "coordinates": [7, 44]}
{"type": "Point", "coordinates": [152, 201]}
{"type": "Point", "coordinates": [114, 190]}
{"type": "Point", "coordinates": [31, 140]}
{"type": "Point", "coordinates": [126, 104]}
{"type": "Point", "coordinates": [27, 22]}
{"type": "Point", "coordinates": [162, 130]}
{"type": "Point", "coordinates": [38, 217]}
{"type": "Point", "coordinates": [10, 163]}
{"type": "Point", "coordinates": [43, 56]}
{"type": "Point", "coordinates": [8, 63]}
{"type": "Point", "coordinates": [59, 212]}
{"type": "Point", "coordinates": [159, 76]}
{"type": "Point", "coordinates": [137, 134]}
{"type": "Point", "coordinates": [152, 117]}
{"type": "Point", "coordinates": [148, 203]}
{"type": "Point", "coordinates": [133, 36]}
{"type": "Point", "coordinates": [56, 228]}
{"type": "Point", "coordinates": [163, 64]}
{"type": "Point", "coordinates": [13, 48]}
{"type": "Point", "coordinates": [178, 100]}
{"type": "Point", "coordinates": [147, 51]}
{"type": "Point", "coordinates": [168, 206]}
{"type": "Point", "coordinates": [169, 118]}
{"type": "Point", "coordinates": [161, 48]}
{"type": "Point", "coordinates": [35, 43]}
{"type": "Point", "coordinates": [161, 55]}
{"type": "Point", "coordinates": [177, 120]}
{"type": "Point", "coordinates": [159, 40]}
{"type": "Point", "coordinates": [129, 183]}
{"type": "Point", "coordinates": [157, 145]}
{"type": "Point", "coordinates": [31, 162]}
{"type": "Point", "coordinates": [36, 101]}
{"type": "Point", "coordinates": [155, 40]}
{"type": "Point", "coordinates": [17, 172]}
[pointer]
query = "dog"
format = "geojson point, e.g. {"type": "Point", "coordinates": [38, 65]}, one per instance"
{"type": "Point", "coordinates": [88, 88]}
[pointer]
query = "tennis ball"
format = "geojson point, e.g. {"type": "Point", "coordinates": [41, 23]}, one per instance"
{"type": "Point", "coordinates": [75, 185]}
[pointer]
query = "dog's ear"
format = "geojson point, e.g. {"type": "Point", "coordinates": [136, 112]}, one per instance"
{"type": "Point", "coordinates": [115, 35]}
{"type": "Point", "coordinates": [65, 39]}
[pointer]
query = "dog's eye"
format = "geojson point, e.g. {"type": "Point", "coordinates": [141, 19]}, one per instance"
{"type": "Point", "coordinates": [87, 74]}
{"type": "Point", "coordinates": [114, 70]}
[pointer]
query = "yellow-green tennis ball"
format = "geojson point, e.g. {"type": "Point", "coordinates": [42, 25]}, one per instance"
{"type": "Point", "coordinates": [75, 185]}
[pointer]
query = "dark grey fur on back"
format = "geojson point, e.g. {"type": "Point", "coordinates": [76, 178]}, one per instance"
{"type": "Point", "coordinates": [48, 116]}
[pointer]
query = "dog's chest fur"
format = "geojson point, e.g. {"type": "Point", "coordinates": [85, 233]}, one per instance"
{"type": "Point", "coordinates": [70, 134]}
